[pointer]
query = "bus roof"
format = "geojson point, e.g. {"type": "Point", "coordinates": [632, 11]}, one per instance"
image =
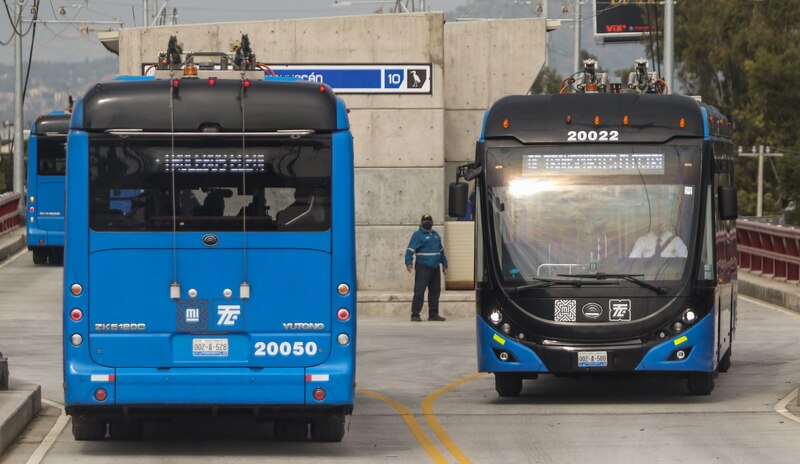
{"type": "Point", "coordinates": [145, 105]}
{"type": "Point", "coordinates": [651, 118]}
{"type": "Point", "coordinates": [51, 123]}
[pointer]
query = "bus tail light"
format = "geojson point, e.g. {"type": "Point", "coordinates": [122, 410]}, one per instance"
{"type": "Point", "coordinates": [343, 314]}
{"type": "Point", "coordinates": [76, 314]}
{"type": "Point", "coordinates": [319, 394]}
{"type": "Point", "coordinates": [76, 289]}
{"type": "Point", "coordinates": [343, 339]}
{"type": "Point", "coordinates": [100, 394]}
{"type": "Point", "coordinates": [31, 209]}
{"type": "Point", "coordinates": [212, 81]}
{"type": "Point", "coordinates": [31, 198]}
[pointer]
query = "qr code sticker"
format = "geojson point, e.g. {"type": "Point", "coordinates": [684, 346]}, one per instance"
{"type": "Point", "coordinates": [565, 311]}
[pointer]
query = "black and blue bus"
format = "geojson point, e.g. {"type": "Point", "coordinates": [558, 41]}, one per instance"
{"type": "Point", "coordinates": [210, 254]}
{"type": "Point", "coordinates": [605, 237]}
{"type": "Point", "coordinates": [47, 163]}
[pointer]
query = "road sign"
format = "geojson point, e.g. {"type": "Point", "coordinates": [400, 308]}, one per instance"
{"type": "Point", "coordinates": [368, 79]}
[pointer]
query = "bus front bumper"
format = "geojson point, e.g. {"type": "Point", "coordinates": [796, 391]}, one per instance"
{"type": "Point", "coordinates": [696, 344]}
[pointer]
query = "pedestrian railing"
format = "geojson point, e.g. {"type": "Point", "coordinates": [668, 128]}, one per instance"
{"type": "Point", "coordinates": [768, 249]}
{"type": "Point", "coordinates": [9, 214]}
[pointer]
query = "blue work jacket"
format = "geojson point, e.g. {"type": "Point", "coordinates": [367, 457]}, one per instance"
{"type": "Point", "coordinates": [427, 245]}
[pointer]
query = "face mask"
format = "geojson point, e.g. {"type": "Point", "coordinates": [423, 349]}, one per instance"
{"type": "Point", "coordinates": [427, 225]}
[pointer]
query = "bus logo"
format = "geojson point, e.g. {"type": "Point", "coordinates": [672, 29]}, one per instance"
{"type": "Point", "coordinates": [210, 240]}
{"type": "Point", "coordinates": [228, 314]}
{"type": "Point", "coordinates": [191, 315]}
{"type": "Point", "coordinates": [619, 310]}
{"type": "Point", "coordinates": [592, 310]}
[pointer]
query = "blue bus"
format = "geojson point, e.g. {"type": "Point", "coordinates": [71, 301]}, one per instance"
{"type": "Point", "coordinates": [605, 236]}
{"type": "Point", "coordinates": [47, 163]}
{"type": "Point", "coordinates": [210, 254]}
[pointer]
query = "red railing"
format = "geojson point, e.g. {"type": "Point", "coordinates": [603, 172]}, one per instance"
{"type": "Point", "coordinates": [769, 249]}
{"type": "Point", "coordinates": [9, 215]}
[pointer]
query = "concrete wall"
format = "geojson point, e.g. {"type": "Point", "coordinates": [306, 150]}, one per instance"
{"type": "Point", "coordinates": [402, 142]}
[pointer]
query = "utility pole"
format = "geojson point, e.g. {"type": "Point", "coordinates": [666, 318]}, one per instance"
{"type": "Point", "coordinates": [669, 41]}
{"type": "Point", "coordinates": [576, 63]}
{"type": "Point", "coordinates": [761, 151]}
{"type": "Point", "coordinates": [19, 136]}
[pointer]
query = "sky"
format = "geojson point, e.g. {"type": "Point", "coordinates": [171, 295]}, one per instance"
{"type": "Point", "coordinates": [59, 42]}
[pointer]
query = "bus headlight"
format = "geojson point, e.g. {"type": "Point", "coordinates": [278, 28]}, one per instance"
{"type": "Point", "coordinates": [495, 317]}
{"type": "Point", "coordinates": [689, 316]}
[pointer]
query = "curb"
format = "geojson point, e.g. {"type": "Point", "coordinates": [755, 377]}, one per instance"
{"type": "Point", "coordinates": [770, 291]}
{"type": "Point", "coordinates": [17, 409]}
{"type": "Point", "coordinates": [10, 247]}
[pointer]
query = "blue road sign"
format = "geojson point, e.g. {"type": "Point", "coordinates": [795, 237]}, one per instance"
{"type": "Point", "coordinates": [374, 79]}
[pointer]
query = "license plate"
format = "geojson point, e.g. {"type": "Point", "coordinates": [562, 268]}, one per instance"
{"type": "Point", "coordinates": [217, 347]}
{"type": "Point", "coordinates": [592, 358]}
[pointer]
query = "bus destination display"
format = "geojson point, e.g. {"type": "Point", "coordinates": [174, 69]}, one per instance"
{"type": "Point", "coordinates": [594, 164]}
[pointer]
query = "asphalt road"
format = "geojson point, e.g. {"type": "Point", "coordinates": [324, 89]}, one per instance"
{"type": "Point", "coordinates": [419, 400]}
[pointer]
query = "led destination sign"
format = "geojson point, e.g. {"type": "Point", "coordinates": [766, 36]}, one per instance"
{"type": "Point", "coordinates": [594, 164]}
{"type": "Point", "coordinates": [214, 162]}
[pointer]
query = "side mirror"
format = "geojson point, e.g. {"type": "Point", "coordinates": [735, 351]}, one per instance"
{"type": "Point", "coordinates": [728, 204]}
{"type": "Point", "coordinates": [458, 196]}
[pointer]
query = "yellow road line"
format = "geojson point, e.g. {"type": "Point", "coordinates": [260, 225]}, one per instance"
{"type": "Point", "coordinates": [413, 425]}
{"type": "Point", "coordinates": [433, 422]}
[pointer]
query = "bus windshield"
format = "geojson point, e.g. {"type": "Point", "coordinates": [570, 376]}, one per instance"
{"type": "Point", "coordinates": [278, 185]}
{"type": "Point", "coordinates": [51, 153]}
{"type": "Point", "coordinates": [593, 209]}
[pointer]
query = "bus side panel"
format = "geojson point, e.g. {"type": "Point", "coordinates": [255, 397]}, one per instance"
{"type": "Point", "coordinates": [340, 366]}
{"type": "Point", "coordinates": [80, 372]}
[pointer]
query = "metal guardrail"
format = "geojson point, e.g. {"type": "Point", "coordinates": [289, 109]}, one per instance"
{"type": "Point", "coordinates": [769, 249]}
{"type": "Point", "coordinates": [9, 213]}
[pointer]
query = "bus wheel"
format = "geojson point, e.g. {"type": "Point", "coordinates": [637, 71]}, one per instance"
{"type": "Point", "coordinates": [507, 384]}
{"type": "Point", "coordinates": [39, 257]}
{"type": "Point", "coordinates": [725, 362]}
{"type": "Point", "coordinates": [285, 430]}
{"type": "Point", "coordinates": [57, 257]}
{"type": "Point", "coordinates": [701, 383]}
{"type": "Point", "coordinates": [125, 430]}
{"type": "Point", "coordinates": [328, 428]}
{"type": "Point", "coordinates": [88, 428]}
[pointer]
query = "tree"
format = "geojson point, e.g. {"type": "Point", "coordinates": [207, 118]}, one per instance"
{"type": "Point", "coordinates": [548, 81]}
{"type": "Point", "coordinates": [740, 58]}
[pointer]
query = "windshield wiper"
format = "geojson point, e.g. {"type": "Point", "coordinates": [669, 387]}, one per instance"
{"type": "Point", "coordinates": [543, 283]}
{"type": "Point", "coordinates": [629, 277]}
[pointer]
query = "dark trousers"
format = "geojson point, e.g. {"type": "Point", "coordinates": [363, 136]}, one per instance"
{"type": "Point", "coordinates": [430, 278]}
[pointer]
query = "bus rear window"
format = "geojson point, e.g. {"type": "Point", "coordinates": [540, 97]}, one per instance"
{"type": "Point", "coordinates": [51, 155]}
{"type": "Point", "coordinates": [278, 185]}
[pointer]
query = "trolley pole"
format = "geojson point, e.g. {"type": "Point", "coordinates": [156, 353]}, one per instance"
{"type": "Point", "coordinates": [19, 136]}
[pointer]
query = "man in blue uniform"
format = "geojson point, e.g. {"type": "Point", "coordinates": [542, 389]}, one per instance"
{"type": "Point", "coordinates": [427, 245]}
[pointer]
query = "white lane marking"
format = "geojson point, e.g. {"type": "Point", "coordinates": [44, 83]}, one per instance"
{"type": "Point", "coordinates": [12, 258]}
{"type": "Point", "coordinates": [765, 304]}
{"type": "Point", "coordinates": [50, 439]}
{"type": "Point", "coordinates": [780, 408]}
